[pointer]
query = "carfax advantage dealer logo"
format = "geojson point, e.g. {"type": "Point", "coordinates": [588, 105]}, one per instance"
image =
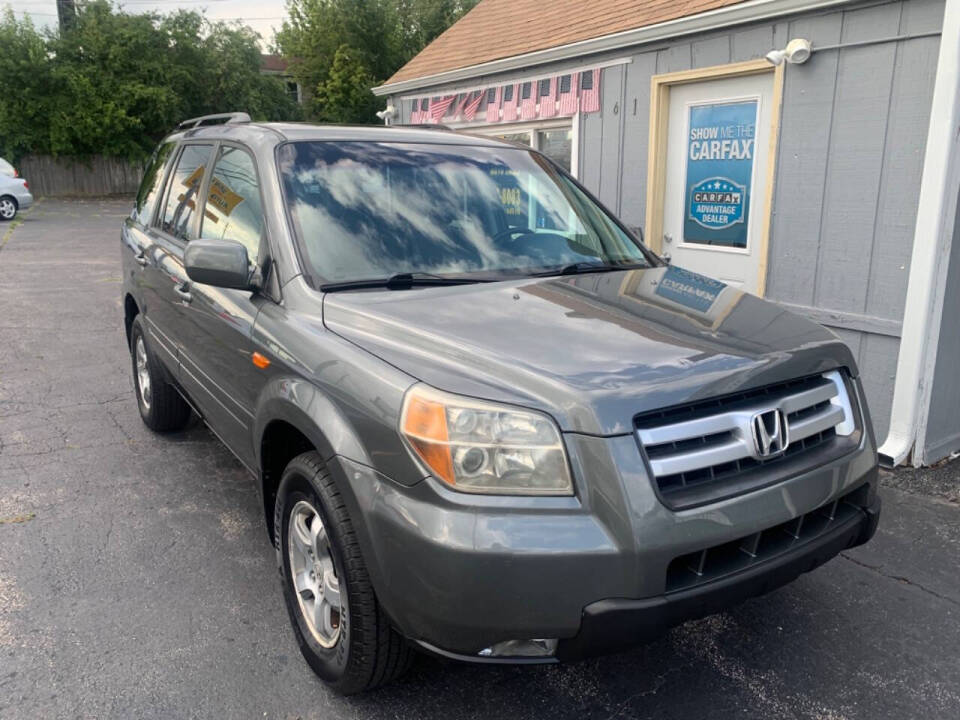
{"type": "Point", "coordinates": [717, 203]}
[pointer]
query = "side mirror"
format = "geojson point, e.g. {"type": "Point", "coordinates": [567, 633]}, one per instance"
{"type": "Point", "coordinates": [221, 263]}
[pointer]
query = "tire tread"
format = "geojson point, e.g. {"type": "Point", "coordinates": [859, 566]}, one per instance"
{"type": "Point", "coordinates": [378, 653]}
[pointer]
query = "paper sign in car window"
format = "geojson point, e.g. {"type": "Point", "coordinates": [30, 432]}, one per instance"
{"type": "Point", "coordinates": [513, 198]}
{"type": "Point", "coordinates": [222, 198]}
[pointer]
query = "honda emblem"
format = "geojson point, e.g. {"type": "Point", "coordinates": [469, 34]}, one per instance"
{"type": "Point", "coordinates": [769, 433]}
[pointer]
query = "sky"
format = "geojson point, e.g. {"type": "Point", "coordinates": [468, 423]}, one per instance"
{"type": "Point", "coordinates": [264, 16]}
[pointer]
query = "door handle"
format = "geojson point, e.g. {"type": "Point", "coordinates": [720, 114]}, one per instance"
{"type": "Point", "coordinates": [141, 259]}
{"type": "Point", "coordinates": [184, 292]}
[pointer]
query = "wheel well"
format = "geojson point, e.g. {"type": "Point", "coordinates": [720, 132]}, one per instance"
{"type": "Point", "coordinates": [12, 197]}
{"type": "Point", "coordinates": [130, 311]}
{"type": "Point", "coordinates": [281, 443]}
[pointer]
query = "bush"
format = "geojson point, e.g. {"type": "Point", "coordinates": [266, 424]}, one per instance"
{"type": "Point", "coordinates": [114, 84]}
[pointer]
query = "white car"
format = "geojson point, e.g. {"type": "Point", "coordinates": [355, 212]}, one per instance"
{"type": "Point", "coordinates": [14, 196]}
{"type": "Point", "coordinates": [7, 169]}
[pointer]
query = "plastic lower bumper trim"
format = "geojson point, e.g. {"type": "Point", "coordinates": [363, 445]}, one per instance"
{"type": "Point", "coordinates": [617, 624]}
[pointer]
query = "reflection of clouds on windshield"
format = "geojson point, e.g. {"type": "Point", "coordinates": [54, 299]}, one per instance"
{"type": "Point", "coordinates": [367, 210]}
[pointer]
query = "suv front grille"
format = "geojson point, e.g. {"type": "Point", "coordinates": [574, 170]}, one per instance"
{"type": "Point", "coordinates": [719, 561]}
{"type": "Point", "coordinates": [706, 450]}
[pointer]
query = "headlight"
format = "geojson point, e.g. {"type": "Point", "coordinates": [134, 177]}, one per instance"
{"type": "Point", "coordinates": [482, 447]}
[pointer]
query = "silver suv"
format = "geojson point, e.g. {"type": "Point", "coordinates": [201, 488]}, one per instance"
{"type": "Point", "coordinates": [485, 421]}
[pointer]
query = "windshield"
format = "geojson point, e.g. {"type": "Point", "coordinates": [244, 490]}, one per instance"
{"type": "Point", "coordinates": [365, 210]}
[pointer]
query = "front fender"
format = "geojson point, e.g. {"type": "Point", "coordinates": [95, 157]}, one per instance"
{"type": "Point", "coordinates": [304, 406]}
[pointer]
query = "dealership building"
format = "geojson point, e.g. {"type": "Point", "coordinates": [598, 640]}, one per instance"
{"type": "Point", "coordinates": [804, 150]}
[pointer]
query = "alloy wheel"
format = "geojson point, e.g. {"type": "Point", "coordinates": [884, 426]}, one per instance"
{"type": "Point", "coordinates": [312, 572]}
{"type": "Point", "coordinates": [7, 208]}
{"type": "Point", "coordinates": [143, 373]}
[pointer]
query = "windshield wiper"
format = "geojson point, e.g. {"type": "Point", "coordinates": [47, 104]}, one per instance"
{"type": "Point", "coordinates": [401, 281]}
{"type": "Point", "coordinates": [579, 268]}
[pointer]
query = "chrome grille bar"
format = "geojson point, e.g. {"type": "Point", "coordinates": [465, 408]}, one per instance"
{"type": "Point", "coordinates": [718, 439]}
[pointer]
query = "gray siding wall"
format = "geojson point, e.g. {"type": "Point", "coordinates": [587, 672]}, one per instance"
{"type": "Point", "coordinates": [850, 155]}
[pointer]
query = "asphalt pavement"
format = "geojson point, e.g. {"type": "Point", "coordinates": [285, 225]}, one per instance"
{"type": "Point", "coordinates": [136, 579]}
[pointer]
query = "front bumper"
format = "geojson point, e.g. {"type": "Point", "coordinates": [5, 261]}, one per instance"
{"type": "Point", "coordinates": [459, 573]}
{"type": "Point", "coordinates": [616, 624]}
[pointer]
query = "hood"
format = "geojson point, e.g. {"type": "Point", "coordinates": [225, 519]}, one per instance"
{"type": "Point", "coordinates": [591, 350]}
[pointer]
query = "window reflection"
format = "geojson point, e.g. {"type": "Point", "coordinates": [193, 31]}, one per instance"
{"type": "Point", "coordinates": [369, 210]}
{"type": "Point", "coordinates": [184, 186]}
{"type": "Point", "coordinates": [233, 210]}
{"type": "Point", "coordinates": [557, 145]}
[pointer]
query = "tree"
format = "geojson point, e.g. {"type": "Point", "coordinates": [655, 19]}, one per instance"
{"type": "Point", "coordinates": [380, 36]}
{"type": "Point", "coordinates": [345, 95]}
{"type": "Point", "coordinates": [24, 85]}
{"type": "Point", "coordinates": [114, 83]}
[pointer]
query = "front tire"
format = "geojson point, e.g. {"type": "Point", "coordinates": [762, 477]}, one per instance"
{"type": "Point", "coordinates": [8, 208]}
{"type": "Point", "coordinates": [343, 633]}
{"type": "Point", "coordinates": [161, 406]}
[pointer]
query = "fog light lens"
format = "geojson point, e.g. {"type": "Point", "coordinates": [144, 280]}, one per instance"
{"type": "Point", "coordinates": [538, 647]}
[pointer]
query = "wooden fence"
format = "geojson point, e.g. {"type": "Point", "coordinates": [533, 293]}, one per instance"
{"type": "Point", "coordinates": [51, 177]}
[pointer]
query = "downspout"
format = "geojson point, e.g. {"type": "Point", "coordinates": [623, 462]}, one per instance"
{"type": "Point", "coordinates": [936, 212]}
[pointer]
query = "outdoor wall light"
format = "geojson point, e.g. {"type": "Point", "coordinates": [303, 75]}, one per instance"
{"type": "Point", "coordinates": [387, 114]}
{"type": "Point", "coordinates": [796, 52]}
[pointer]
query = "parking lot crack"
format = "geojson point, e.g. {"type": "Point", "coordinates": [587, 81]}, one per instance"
{"type": "Point", "coordinates": [901, 579]}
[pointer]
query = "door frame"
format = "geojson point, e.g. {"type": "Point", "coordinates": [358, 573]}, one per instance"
{"type": "Point", "coordinates": [660, 86]}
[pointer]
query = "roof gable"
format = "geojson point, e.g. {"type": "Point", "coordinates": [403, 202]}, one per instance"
{"type": "Point", "coordinates": [497, 29]}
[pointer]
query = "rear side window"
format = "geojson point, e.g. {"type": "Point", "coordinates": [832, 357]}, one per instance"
{"type": "Point", "coordinates": [152, 182]}
{"type": "Point", "coordinates": [233, 210]}
{"type": "Point", "coordinates": [185, 183]}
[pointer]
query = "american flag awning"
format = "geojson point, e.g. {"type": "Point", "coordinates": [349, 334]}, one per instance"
{"type": "Point", "coordinates": [560, 95]}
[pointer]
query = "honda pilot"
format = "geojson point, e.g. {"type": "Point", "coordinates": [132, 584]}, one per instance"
{"type": "Point", "coordinates": [485, 421]}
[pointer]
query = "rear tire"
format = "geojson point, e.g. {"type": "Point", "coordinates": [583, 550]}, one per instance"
{"type": "Point", "coordinates": [363, 651]}
{"type": "Point", "coordinates": [8, 207]}
{"type": "Point", "coordinates": [161, 406]}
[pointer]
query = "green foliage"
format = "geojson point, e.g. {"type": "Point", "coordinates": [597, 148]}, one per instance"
{"type": "Point", "coordinates": [368, 37]}
{"type": "Point", "coordinates": [25, 81]}
{"type": "Point", "coordinates": [345, 95]}
{"type": "Point", "coordinates": [115, 83]}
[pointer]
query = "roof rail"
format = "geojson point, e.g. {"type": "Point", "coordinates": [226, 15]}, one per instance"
{"type": "Point", "coordinates": [231, 118]}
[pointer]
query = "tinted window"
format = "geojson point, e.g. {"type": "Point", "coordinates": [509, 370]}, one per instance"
{"type": "Point", "coordinates": [152, 180]}
{"type": "Point", "coordinates": [185, 182]}
{"type": "Point", "coordinates": [368, 210]}
{"type": "Point", "coordinates": [233, 210]}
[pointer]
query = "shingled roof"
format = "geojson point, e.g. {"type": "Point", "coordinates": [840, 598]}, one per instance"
{"type": "Point", "coordinates": [497, 29]}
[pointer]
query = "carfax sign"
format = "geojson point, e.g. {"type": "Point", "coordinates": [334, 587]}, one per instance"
{"type": "Point", "coordinates": [720, 150]}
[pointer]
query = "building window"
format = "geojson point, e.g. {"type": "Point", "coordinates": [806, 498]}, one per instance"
{"type": "Point", "coordinates": [553, 139]}
{"type": "Point", "coordinates": [293, 90]}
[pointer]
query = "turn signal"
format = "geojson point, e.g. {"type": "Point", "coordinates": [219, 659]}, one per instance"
{"type": "Point", "coordinates": [425, 425]}
{"type": "Point", "coordinates": [261, 361]}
